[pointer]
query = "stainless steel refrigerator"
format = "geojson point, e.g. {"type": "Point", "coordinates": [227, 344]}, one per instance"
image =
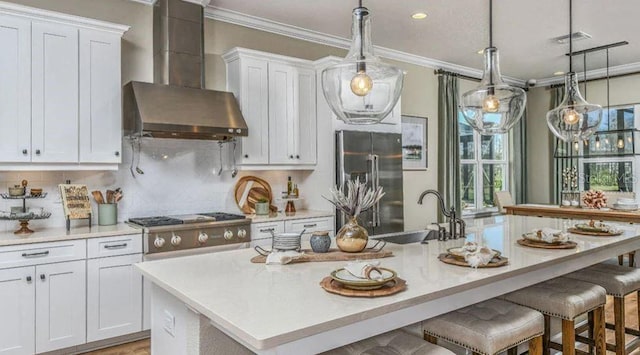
{"type": "Point", "coordinates": [375, 158]}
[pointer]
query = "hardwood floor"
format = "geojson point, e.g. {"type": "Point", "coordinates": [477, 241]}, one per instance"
{"type": "Point", "coordinates": [142, 347]}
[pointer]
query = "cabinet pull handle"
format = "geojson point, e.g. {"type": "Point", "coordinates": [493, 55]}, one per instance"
{"type": "Point", "coordinates": [115, 246]}
{"type": "Point", "coordinates": [311, 225]}
{"type": "Point", "coordinates": [297, 157]}
{"type": "Point", "coordinates": [42, 277]}
{"type": "Point", "coordinates": [37, 151]}
{"type": "Point", "coordinates": [290, 156]}
{"type": "Point", "coordinates": [24, 152]}
{"type": "Point", "coordinates": [28, 278]}
{"type": "Point", "coordinates": [35, 255]}
{"type": "Point", "coordinates": [246, 155]}
{"type": "Point", "coordinates": [117, 153]}
{"type": "Point", "coordinates": [267, 230]}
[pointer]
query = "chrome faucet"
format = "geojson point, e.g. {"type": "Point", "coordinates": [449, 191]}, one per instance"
{"type": "Point", "coordinates": [456, 225]}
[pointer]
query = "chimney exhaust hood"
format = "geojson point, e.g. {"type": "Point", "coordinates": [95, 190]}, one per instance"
{"type": "Point", "coordinates": [176, 105]}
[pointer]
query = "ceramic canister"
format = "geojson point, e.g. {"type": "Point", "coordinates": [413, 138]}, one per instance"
{"type": "Point", "coordinates": [320, 242]}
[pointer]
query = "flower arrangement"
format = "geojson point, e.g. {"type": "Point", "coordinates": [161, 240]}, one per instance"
{"type": "Point", "coordinates": [594, 199]}
{"type": "Point", "coordinates": [358, 198]}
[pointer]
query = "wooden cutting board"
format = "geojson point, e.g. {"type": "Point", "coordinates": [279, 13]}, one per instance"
{"type": "Point", "coordinates": [331, 255]}
{"type": "Point", "coordinates": [251, 189]}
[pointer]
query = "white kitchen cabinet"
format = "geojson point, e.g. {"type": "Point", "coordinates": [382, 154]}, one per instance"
{"type": "Point", "coordinates": [114, 297]}
{"type": "Point", "coordinates": [60, 305]}
{"type": "Point", "coordinates": [15, 89]}
{"type": "Point", "coordinates": [100, 98]}
{"type": "Point", "coordinates": [17, 323]}
{"type": "Point", "coordinates": [280, 113]}
{"type": "Point", "coordinates": [261, 231]}
{"type": "Point", "coordinates": [54, 93]}
{"type": "Point", "coordinates": [60, 91]}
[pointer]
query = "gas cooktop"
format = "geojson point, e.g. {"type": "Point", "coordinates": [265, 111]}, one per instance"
{"type": "Point", "coordinates": [184, 219]}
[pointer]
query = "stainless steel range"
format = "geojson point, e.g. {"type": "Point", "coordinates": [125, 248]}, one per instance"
{"type": "Point", "coordinates": [191, 234]}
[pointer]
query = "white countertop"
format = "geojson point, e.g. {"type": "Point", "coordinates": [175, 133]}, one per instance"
{"type": "Point", "coordinates": [266, 306]}
{"type": "Point", "coordinates": [303, 214]}
{"type": "Point", "coordinates": [57, 234]}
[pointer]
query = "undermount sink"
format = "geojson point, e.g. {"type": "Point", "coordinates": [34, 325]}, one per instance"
{"type": "Point", "coordinates": [409, 237]}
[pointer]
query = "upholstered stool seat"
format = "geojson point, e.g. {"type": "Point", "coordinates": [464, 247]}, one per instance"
{"type": "Point", "coordinates": [397, 342]}
{"type": "Point", "coordinates": [566, 298]}
{"type": "Point", "coordinates": [488, 327]}
{"type": "Point", "coordinates": [619, 281]}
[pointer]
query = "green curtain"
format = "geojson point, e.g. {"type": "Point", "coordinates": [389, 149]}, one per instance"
{"type": "Point", "coordinates": [518, 160]}
{"type": "Point", "coordinates": [565, 155]}
{"type": "Point", "coordinates": [448, 141]}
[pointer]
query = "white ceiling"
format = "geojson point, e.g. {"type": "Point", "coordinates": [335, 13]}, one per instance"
{"type": "Point", "coordinates": [455, 30]}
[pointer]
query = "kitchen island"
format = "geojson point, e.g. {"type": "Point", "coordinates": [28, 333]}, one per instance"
{"type": "Point", "coordinates": [221, 303]}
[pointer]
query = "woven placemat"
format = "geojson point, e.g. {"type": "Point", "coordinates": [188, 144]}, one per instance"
{"type": "Point", "coordinates": [390, 288]}
{"type": "Point", "coordinates": [450, 259]}
{"type": "Point", "coordinates": [543, 245]}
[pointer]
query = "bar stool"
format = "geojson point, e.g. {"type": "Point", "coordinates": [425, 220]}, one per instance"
{"type": "Point", "coordinates": [488, 328]}
{"type": "Point", "coordinates": [394, 342]}
{"type": "Point", "coordinates": [619, 281]}
{"type": "Point", "coordinates": [566, 299]}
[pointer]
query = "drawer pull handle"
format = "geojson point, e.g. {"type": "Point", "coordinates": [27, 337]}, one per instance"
{"type": "Point", "coordinates": [42, 277]}
{"type": "Point", "coordinates": [28, 278]}
{"type": "Point", "coordinates": [311, 225]}
{"type": "Point", "coordinates": [267, 230]}
{"type": "Point", "coordinates": [35, 255]}
{"type": "Point", "coordinates": [116, 246]}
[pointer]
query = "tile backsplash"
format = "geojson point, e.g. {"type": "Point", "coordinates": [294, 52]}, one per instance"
{"type": "Point", "coordinates": [180, 176]}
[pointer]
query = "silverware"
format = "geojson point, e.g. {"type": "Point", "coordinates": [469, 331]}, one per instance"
{"type": "Point", "coordinates": [234, 170]}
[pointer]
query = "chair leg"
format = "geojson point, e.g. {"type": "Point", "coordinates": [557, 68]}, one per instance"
{"type": "Point", "coordinates": [632, 259]}
{"type": "Point", "coordinates": [590, 331]}
{"type": "Point", "coordinates": [599, 331]}
{"type": "Point", "coordinates": [620, 260]}
{"type": "Point", "coordinates": [568, 337]}
{"type": "Point", "coordinates": [513, 351]}
{"type": "Point", "coordinates": [430, 338]}
{"type": "Point", "coordinates": [619, 324]}
{"type": "Point", "coordinates": [535, 346]}
{"type": "Point", "coordinates": [546, 337]}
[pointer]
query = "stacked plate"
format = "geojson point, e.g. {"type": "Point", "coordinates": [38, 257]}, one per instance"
{"type": "Point", "coordinates": [286, 241]}
{"type": "Point", "coordinates": [626, 204]}
{"type": "Point", "coordinates": [348, 280]}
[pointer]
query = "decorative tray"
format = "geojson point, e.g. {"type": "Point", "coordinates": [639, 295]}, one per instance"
{"type": "Point", "coordinates": [497, 261]}
{"type": "Point", "coordinates": [392, 287]}
{"type": "Point", "coordinates": [9, 197]}
{"type": "Point", "coordinates": [9, 216]}
{"type": "Point", "coordinates": [331, 255]}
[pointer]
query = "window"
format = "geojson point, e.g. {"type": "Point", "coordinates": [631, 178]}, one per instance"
{"type": "Point", "coordinates": [484, 163]}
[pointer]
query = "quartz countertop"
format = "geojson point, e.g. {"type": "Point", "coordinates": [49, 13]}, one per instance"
{"type": "Point", "coordinates": [266, 306]}
{"type": "Point", "coordinates": [302, 214]}
{"type": "Point", "coordinates": [60, 233]}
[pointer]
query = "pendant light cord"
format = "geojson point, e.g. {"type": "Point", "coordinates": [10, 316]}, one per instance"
{"type": "Point", "coordinates": [584, 71]}
{"type": "Point", "coordinates": [490, 23]}
{"type": "Point", "coordinates": [608, 85]}
{"type": "Point", "coordinates": [570, 36]}
{"type": "Point", "coordinates": [360, 25]}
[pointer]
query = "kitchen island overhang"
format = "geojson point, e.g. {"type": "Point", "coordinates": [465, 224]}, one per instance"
{"type": "Point", "coordinates": [282, 309]}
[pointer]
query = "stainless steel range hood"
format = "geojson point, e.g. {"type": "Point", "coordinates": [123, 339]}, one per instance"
{"type": "Point", "coordinates": [177, 105]}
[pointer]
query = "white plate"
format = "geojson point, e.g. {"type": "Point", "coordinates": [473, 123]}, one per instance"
{"type": "Point", "coordinates": [344, 275]}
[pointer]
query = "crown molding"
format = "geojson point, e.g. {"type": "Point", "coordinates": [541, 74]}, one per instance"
{"type": "Point", "coordinates": [262, 24]}
{"type": "Point", "coordinates": [594, 74]}
{"type": "Point", "coordinates": [33, 13]}
{"type": "Point", "coordinates": [203, 3]}
{"type": "Point", "coordinates": [146, 2]}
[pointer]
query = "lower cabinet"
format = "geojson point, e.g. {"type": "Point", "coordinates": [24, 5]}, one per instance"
{"type": "Point", "coordinates": [261, 231]}
{"type": "Point", "coordinates": [60, 305]}
{"type": "Point", "coordinates": [114, 297]}
{"type": "Point", "coordinates": [18, 295]}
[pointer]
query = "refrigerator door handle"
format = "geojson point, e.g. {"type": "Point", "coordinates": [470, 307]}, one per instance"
{"type": "Point", "coordinates": [375, 177]}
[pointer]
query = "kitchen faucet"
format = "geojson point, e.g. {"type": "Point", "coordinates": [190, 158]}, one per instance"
{"type": "Point", "coordinates": [454, 221]}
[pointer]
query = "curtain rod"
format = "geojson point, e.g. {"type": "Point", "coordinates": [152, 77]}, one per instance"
{"type": "Point", "coordinates": [553, 86]}
{"type": "Point", "coordinates": [467, 77]}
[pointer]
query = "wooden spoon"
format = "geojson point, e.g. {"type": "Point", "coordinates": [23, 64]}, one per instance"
{"type": "Point", "coordinates": [110, 194]}
{"type": "Point", "coordinates": [97, 195]}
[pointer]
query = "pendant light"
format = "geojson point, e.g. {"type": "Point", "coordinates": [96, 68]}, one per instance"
{"type": "Point", "coordinates": [574, 119]}
{"type": "Point", "coordinates": [494, 107]}
{"type": "Point", "coordinates": [362, 89]}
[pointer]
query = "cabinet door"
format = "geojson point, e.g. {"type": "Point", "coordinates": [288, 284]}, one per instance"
{"type": "Point", "coordinates": [282, 114]}
{"type": "Point", "coordinates": [254, 103]}
{"type": "Point", "coordinates": [15, 89]}
{"type": "Point", "coordinates": [261, 233]}
{"type": "Point", "coordinates": [100, 98]}
{"type": "Point", "coordinates": [54, 84]}
{"type": "Point", "coordinates": [306, 131]}
{"type": "Point", "coordinates": [17, 323]}
{"type": "Point", "coordinates": [60, 305]}
{"type": "Point", "coordinates": [114, 297]}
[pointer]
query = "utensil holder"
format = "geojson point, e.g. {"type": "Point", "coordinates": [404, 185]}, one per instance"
{"type": "Point", "coordinates": [107, 214]}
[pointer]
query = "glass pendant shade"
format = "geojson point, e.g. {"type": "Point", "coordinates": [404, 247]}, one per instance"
{"type": "Point", "coordinates": [494, 107]}
{"type": "Point", "coordinates": [362, 89]}
{"type": "Point", "coordinates": [574, 119]}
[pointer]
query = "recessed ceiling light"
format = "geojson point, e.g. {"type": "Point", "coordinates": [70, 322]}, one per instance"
{"type": "Point", "coordinates": [558, 73]}
{"type": "Point", "coordinates": [419, 15]}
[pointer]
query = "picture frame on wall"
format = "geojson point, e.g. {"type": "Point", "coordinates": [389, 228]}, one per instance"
{"type": "Point", "coordinates": [414, 143]}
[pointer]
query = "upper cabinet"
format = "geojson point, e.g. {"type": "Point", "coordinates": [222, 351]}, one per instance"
{"type": "Point", "coordinates": [60, 93]}
{"type": "Point", "coordinates": [277, 97]}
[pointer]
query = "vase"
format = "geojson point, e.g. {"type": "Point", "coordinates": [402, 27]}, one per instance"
{"type": "Point", "coordinates": [352, 238]}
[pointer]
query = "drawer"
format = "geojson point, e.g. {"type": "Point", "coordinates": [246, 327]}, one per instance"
{"type": "Point", "coordinates": [263, 230]}
{"type": "Point", "coordinates": [113, 246]}
{"type": "Point", "coordinates": [310, 225]}
{"type": "Point", "coordinates": [42, 253]}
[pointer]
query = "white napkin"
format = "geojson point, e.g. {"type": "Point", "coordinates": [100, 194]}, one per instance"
{"type": "Point", "coordinates": [551, 235]}
{"type": "Point", "coordinates": [364, 269]}
{"type": "Point", "coordinates": [481, 256]}
{"type": "Point", "coordinates": [282, 257]}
